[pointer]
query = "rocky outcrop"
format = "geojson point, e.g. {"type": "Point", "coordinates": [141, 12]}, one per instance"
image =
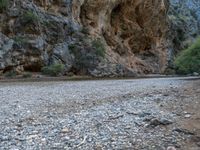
{"type": "Point", "coordinates": [184, 17]}
{"type": "Point", "coordinates": [135, 31]}
{"type": "Point", "coordinates": [134, 35]}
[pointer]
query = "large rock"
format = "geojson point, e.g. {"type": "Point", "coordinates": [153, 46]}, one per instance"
{"type": "Point", "coordinates": [61, 54]}
{"type": "Point", "coordinates": [135, 31]}
{"type": "Point", "coordinates": [6, 46]}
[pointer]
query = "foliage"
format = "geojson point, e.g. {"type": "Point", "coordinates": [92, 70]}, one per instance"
{"type": "Point", "coordinates": [72, 47]}
{"type": "Point", "coordinates": [85, 30]}
{"type": "Point", "coordinates": [27, 75]}
{"type": "Point", "coordinates": [83, 57]}
{"type": "Point", "coordinates": [87, 54]}
{"type": "Point", "coordinates": [10, 74]}
{"type": "Point", "coordinates": [189, 60]}
{"type": "Point", "coordinates": [99, 48]}
{"type": "Point", "coordinates": [53, 70]}
{"type": "Point", "coordinates": [20, 40]}
{"type": "Point", "coordinates": [30, 17]}
{"type": "Point", "coordinates": [3, 5]}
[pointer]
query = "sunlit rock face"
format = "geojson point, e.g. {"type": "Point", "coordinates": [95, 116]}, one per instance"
{"type": "Point", "coordinates": [134, 32]}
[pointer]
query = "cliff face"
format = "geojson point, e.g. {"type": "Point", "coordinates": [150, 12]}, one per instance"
{"type": "Point", "coordinates": [184, 16]}
{"type": "Point", "coordinates": [134, 31]}
{"type": "Point", "coordinates": [36, 33]}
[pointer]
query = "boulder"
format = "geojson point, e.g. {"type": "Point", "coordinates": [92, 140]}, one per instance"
{"type": "Point", "coordinates": [61, 54]}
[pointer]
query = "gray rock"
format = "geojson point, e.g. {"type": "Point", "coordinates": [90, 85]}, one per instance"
{"type": "Point", "coordinates": [62, 54]}
{"type": "Point", "coordinates": [195, 74]}
{"type": "Point", "coordinates": [6, 46]}
{"type": "Point", "coordinates": [156, 122]}
{"type": "Point", "coordinates": [171, 148]}
{"type": "Point", "coordinates": [184, 17]}
{"type": "Point", "coordinates": [184, 131]}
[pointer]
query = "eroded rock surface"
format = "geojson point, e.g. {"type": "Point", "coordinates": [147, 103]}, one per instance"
{"type": "Point", "coordinates": [42, 32]}
{"type": "Point", "coordinates": [135, 31]}
{"type": "Point", "coordinates": [184, 16]}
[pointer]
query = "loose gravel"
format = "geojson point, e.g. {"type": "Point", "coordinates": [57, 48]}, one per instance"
{"type": "Point", "coordinates": [103, 114]}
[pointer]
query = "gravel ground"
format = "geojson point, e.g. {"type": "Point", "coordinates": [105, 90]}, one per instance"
{"type": "Point", "coordinates": [142, 114]}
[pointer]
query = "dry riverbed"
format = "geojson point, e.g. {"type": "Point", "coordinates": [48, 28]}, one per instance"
{"type": "Point", "coordinates": [141, 114]}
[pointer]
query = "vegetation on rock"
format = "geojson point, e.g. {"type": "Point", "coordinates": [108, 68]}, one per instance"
{"type": "Point", "coordinates": [10, 74]}
{"type": "Point", "coordinates": [189, 60]}
{"type": "Point", "coordinates": [87, 54]}
{"type": "Point", "coordinates": [53, 70]}
{"type": "Point", "coordinates": [27, 75]}
{"type": "Point", "coordinates": [99, 48]}
{"type": "Point", "coordinates": [30, 17]}
{"type": "Point", "coordinates": [3, 5]}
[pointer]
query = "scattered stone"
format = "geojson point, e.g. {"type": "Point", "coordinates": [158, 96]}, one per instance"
{"type": "Point", "coordinates": [187, 116]}
{"type": "Point", "coordinates": [158, 100]}
{"type": "Point", "coordinates": [157, 122]}
{"type": "Point", "coordinates": [144, 114]}
{"type": "Point", "coordinates": [132, 113]}
{"type": "Point", "coordinates": [195, 74]}
{"type": "Point", "coordinates": [115, 117]}
{"type": "Point", "coordinates": [171, 148]}
{"type": "Point", "coordinates": [184, 131]}
{"type": "Point", "coordinates": [32, 137]}
{"type": "Point", "coordinates": [166, 94]}
{"type": "Point", "coordinates": [65, 130]}
{"type": "Point", "coordinates": [57, 120]}
{"type": "Point", "coordinates": [196, 139]}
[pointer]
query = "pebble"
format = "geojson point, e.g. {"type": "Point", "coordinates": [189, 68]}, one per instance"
{"type": "Point", "coordinates": [157, 122]}
{"type": "Point", "coordinates": [65, 130]}
{"type": "Point", "coordinates": [171, 148]}
{"type": "Point", "coordinates": [187, 116]}
{"type": "Point", "coordinates": [52, 116]}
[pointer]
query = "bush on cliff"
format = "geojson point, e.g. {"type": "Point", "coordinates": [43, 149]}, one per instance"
{"type": "Point", "coordinates": [99, 48]}
{"type": "Point", "coordinates": [3, 5]}
{"type": "Point", "coordinates": [88, 53]}
{"type": "Point", "coordinates": [189, 60]}
{"type": "Point", "coordinates": [30, 17]}
{"type": "Point", "coordinates": [53, 70]}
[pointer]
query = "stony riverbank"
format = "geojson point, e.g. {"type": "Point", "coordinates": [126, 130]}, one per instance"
{"type": "Point", "coordinates": [111, 114]}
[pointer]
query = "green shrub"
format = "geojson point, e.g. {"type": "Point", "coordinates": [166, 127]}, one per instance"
{"type": "Point", "coordinates": [3, 5]}
{"type": "Point", "coordinates": [53, 70]}
{"type": "Point", "coordinates": [72, 47]}
{"type": "Point", "coordinates": [27, 75]}
{"type": "Point", "coordinates": [189, 60]}
{"type": "Point", "coordinates": [87, 54]}
{"type": "Point", "coordinates": [85, 30]}
{"type": "Point", "coordinates": [10, 74]}
{"type": "Point", "coordinates": [99, 48]}
{"type": "Point", "coordinates": [20, 40]}
{"type": "Point", "coordinates": [30, 17]}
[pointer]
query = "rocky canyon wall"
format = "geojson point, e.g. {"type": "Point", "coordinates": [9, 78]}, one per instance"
{"type": "Point", "coordinates": [134, 34]}
{"type": "Point", "coordinates": [184, 19]}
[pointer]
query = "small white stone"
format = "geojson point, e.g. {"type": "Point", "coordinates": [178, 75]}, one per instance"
{"type": "Point", "coordinates": [187, 116]}
{"type": "Point", "coordinates": [171, 148]}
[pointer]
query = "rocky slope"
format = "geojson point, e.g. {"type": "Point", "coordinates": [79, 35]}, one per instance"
{"type": "Point", "coordinates": [100, 38]}
{"type": "Point", "coordinates": [184, 16]}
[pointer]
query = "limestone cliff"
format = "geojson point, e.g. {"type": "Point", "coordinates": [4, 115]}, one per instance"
{"type": "Point", "coordinates": [134, 33]}
{"type": "Point", "coordinates": [184, 18]}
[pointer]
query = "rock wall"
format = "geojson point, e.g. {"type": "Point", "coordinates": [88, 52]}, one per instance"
{"type": "Point", "coordinates": [36, 33]}
{"type": "Point", "coordinates": [135, 31]}
{"type": "Point", "coordinates": [184, 17]}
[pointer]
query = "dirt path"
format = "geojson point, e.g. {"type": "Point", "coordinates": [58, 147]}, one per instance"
{"type": "Point", "coordinates": [148, 114]}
